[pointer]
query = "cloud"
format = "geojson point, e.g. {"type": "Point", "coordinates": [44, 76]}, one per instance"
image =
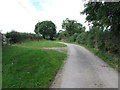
{"type": "Point", "coordinates": [37, 4]}
{"type": "Point", "coordinates": [14, 16]}
{"type": "Point", "coordinates": [22, 15]}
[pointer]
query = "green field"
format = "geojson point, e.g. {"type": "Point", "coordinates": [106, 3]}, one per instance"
{"type": "Point", "coordinates": [41, 44]}
{"type": "Point", "coordinates": [26, 67]}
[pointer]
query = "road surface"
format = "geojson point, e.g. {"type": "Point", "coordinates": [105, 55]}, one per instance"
{"type": "Point", "coordinates": [85, 70]}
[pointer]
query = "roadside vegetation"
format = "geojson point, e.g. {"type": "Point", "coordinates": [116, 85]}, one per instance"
{"type": "Point", "coordinates": [29, 66]}
{"type": "Point", "coordinates": [103, 34]}
{"type": "Point", "coordinates": [110, 59]}
{"type": "Point", "coordinates": [26, 65]}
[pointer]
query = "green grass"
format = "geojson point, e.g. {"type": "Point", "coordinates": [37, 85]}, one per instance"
{"type": "Point", "coordinates": [41, 44]}
{"type": "Point", "coordinates": [30, 67]}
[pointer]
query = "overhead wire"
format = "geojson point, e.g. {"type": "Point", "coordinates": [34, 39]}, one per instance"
{"type": "Point", "coordinates": [27, 10]}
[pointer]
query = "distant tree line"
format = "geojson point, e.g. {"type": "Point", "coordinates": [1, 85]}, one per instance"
{"type": "Point", "coordinates": [18, 37]}
{"type": "Point", "coordinates": [43, 30]}
{"type": "Point", "coordinates": [104, 23]}
{"type": "Point", "coordinates": [72, 30]}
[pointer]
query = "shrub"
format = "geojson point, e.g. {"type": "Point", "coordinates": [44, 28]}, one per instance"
{"type": "Point", "coordinates": [73, 38]}
{"type": "Point", "coordinates": [17, 37]}
{"type": "Point", "coordinates": [81, 38]}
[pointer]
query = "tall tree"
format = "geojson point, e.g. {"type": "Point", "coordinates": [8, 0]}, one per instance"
{"type": "Point", "coordinates": [46, 28]}
{"type": "Point", "coordinates": [106, 13]}
{"type": "Point", "coordinates": [71, 26]}
{"type": "Point", "coordinates": [105, 16]}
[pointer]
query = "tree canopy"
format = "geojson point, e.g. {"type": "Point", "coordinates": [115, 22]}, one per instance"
{"type": "Point", "coordinates": [105, 14]}
{"type": "Point", "coordinates": [46, 28]}
{"type": "Point", "coordinates": [106, 22]}
{"type": "Point", "coordinates": [71, 26]}
{"type": "Point", "coordinates": [104, 32]}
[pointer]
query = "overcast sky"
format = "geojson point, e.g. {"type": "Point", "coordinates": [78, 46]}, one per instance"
{"type": "Point", "coordinates": [22, 15]}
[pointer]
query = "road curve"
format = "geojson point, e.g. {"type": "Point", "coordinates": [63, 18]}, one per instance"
{"type": "Point", "coordinates": [85, 70]}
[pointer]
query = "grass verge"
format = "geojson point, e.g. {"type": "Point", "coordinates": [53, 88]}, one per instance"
{"type": "Point", "coordinates": [30, 67]}
{"type": "Point", "coordinates": [110, 60]}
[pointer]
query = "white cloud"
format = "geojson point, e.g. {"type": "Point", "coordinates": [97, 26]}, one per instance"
{"type": "Point", "coordinates": [22, 16]}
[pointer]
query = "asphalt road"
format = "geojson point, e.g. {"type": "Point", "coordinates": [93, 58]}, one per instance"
{"type": "Point", "coordinates": [85, 70]}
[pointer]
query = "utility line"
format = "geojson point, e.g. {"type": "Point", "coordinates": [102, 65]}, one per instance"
{"type": "Point", "coordinates": [26, 9]}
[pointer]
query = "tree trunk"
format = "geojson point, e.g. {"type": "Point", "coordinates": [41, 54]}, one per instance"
{"type": "Point", "coordinates": [43, 37]}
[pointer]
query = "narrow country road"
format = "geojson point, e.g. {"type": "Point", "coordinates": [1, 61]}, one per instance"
{"type": "Point", "coordinates": [85, 70]}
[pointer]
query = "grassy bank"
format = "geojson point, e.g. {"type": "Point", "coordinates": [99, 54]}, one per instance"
{"type": "Point", "coordinates": [111, 60]}
{"type": "Point", "coordinates": [25, 67]}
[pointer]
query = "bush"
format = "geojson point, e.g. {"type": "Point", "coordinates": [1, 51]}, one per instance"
{"type": "Point", "coordinates": [17, 37]}
{"type": "Point", "coordinates": [73, 38]}
{"type": "Point", "coordinates": [81, 38]}
{"type": "Point", "coordinates": [63, 35]}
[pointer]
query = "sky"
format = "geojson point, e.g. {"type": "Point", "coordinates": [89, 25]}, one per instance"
{"type": "Point", "coordinates": [22, 15]}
